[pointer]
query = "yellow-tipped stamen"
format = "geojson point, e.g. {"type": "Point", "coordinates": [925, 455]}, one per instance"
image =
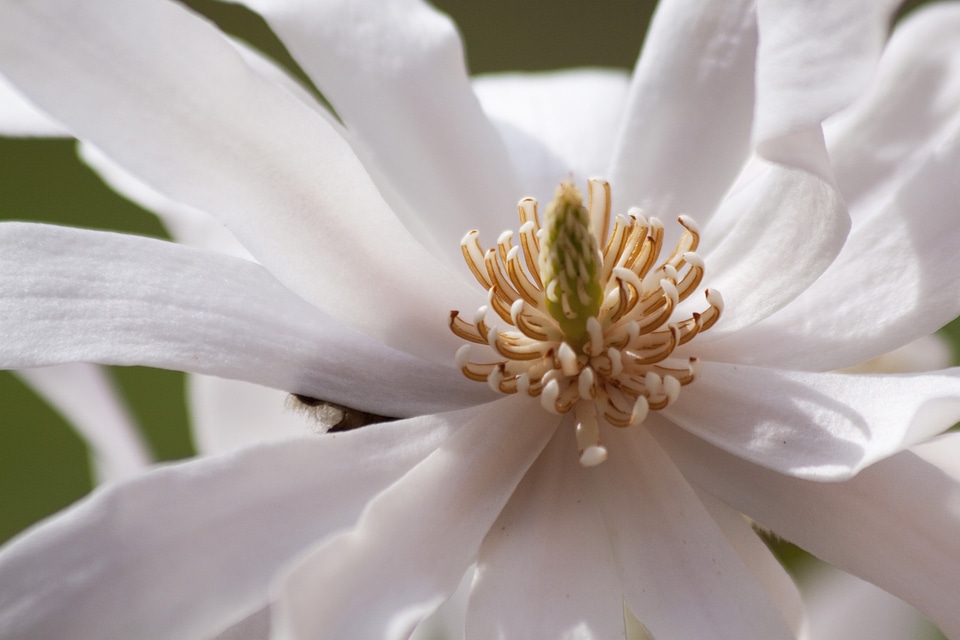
{"type": "Point", "coordinates": [592, 332]}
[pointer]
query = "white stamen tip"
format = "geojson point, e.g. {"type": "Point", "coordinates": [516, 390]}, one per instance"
{"type": "Point", "coordinates": [585, 383]}
{"type": "Point", "coordinates": [549, 395]}
{"type": "Point", "coordinates": [480, 315]}
{"type": "Point", "coordinates": [670, 290]}
{"type": "Point", "coordinates": [592, 456]}
{"type": "Point", "coordinates": [463, 356]}
{"type": "Point", "coordinates": [568, 360]}
{"type": "Point", "coordinates": [671, 389]}
{"type": "Point", "coordinates": [689, 223]}
{"type": "Point", "coordinates": [715, 299]}
{"type": "Point", "coordinates": [693, 259]}
{"type": "Point", "coordinates": [516, 309]}
{"type": "Point", "coordinates": [640, 410]}
{"type": "Point", "coordinates": [595, 331]}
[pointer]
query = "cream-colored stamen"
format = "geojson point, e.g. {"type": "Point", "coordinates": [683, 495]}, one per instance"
{"type": "Point", "coordinates": [590, 330]}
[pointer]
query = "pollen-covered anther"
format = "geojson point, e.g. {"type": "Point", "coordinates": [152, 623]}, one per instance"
{"type": "Point", "coordinates": [587, 317]}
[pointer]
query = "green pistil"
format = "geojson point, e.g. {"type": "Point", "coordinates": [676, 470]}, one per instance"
{"type": "Point", "coordinates": [569, 265]}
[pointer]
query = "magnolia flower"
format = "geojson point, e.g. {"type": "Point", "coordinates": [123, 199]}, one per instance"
{"type": "Point", "coordinates": [825, 256]}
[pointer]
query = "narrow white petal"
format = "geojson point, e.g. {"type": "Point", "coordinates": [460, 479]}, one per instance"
{"type": "Point", "coordinates": [687, 127]}
{"type": "Point", "coordinates": [680, 574]}
{"type": "Point", "coordinates": [70, 295]}
{"type": "Point", "coordinates": [416, 539]}
{"type": "Point", "coordinates": [819, 426]}
{"type": "Point", "coordinates": [230, 414]}
{"type": "Point", "coordinates": [86, 397]}
{"type": "Point", "coordinates": [546, 569]}
{"type": "Point", "coordinates": [890, 285]}
{"type": "Point", "coordinates": [814, 59]}
{"type": "Point", "coordinates": [191, 118]}
{"type": "Point", "coordinates": [20, 118]}
{"type": "Point", "coordinates": [910, 109]}
{"type": "Point", "coordinates": [841, 606]}
{"type": "Point", "coordinates": [896, 524]}
{"type": "Point", "coordinates": [754, 552]}
{"type": "Point", "coordinates": [185, 224]}
{"type": "Point", "coordinates": [897, 152]}
{"type": "Point", "coordinates": [187, 550]}
{"type": "Point", "coordinates": [557, 124]}
{"type": "Point", "coordinates": [785, 228]}
{"type": "Point", "coordinates": [395, 73]}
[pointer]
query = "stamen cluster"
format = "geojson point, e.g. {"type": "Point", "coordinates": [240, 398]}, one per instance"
{"type": "Point", "coordinates": [591, 331]}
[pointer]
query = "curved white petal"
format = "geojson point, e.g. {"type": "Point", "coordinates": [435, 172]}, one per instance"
{"type": "Point", "coordinates": [557, 124]}
{"type": "Point", "coordinates": [756, 555]}
{"type": "Point", "coordinates": [86, 397]}
{"type": "Point", "coordinates": [788, 226]}
{"type": "Point", "coordinates": [891, 283]}
{"type": "Point", "coordinates": [546, 570]}
{"type": "Point", "coordinates": [928, 353]}
{"type": "Point", "coordinates": [394, 71]}
{"type": "Point", "coordinates": [896, 524]}
{"type": "Point", "coordinates": [680, 574]}
{"type": "Point", "coordinates": [185, 224]}
{"type": "Point", "coordinates": [818, 426]}
{"type": "Point", "coordinates": [20, 118]}
{"type": "Point", "coordinates": [191, 118]}
{"type": "Point", "coordinates": [416, 539]}
{"type": "Point", "coordinates": [911, 108]}
{"type": "Point", "coordinates": [814, 59]}
{"type": "Point", "coordinates": [70, 295]}
{"type": "Point", "coordinates": [230, 414]}
{"type": "Point", "coordinates": [841, 606]}
{"type": "Point", "coordinates": [186, 550]}
{"type": "Point", "coordinates": [686, 133]}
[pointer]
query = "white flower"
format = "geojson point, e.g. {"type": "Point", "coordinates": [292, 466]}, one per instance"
{"type": "Point", "coordinates": [356, 229]}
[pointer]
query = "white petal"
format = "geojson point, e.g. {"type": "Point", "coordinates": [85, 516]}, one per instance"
{"type": "Point", "coordinates": [890, 285]}
{"type": "Point", "coordinates": [394, 72]}
{"type": "Point", "coordinates": [896, 524]}
{"type": "Point", "coordinates": [82, 296]}
{"type": "Point", "coordinates": [923, 354]}
{"type": "Point", "coordinates": [756, 555]}
{"type": "Point", "coordinates": [814, 59]}
{"type": "Point", "coordinates": [680, 575]}
{"type": "Point", "coordinates": [416, 539]}
{"type": "Point", "coordinates": [185, 224]}
{"type": "Point", "coordinates": [818, 426]}
{"type": "Point", "coordinates": [191, 118]}
{"type": "Point", "coordinates": [87, 398]}
{"type": "Point", "coordinates": [546, 570]}
{"type": "Point", "coordinates": [229, 414]}
{"type": "Point", "coordinates": [19, 117]}
{"type": "Point", "coordinates": [447, 622]}
{"type": "Point", "coordinates": [788, 227]}
{"type": "Point", "coordinates": [187, 550]}
{"type": "Point", "coordinates": [841, 606]}
{"type": "Point", "coordinates": [911, 108]}
{"type": "Point", "coordinates": [687, 128]}
{"type": "Point", "coordinates": [557, 124]}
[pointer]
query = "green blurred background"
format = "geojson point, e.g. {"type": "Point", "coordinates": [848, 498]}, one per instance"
{"type": "Point", "coordinates": [43, 464]}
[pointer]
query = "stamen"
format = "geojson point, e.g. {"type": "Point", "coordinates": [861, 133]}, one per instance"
{"type": "Point", "coordinates": [590, 331]}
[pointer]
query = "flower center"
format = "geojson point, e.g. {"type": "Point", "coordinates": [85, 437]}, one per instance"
{"type": "Point", "coordinates": [590, 330]}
